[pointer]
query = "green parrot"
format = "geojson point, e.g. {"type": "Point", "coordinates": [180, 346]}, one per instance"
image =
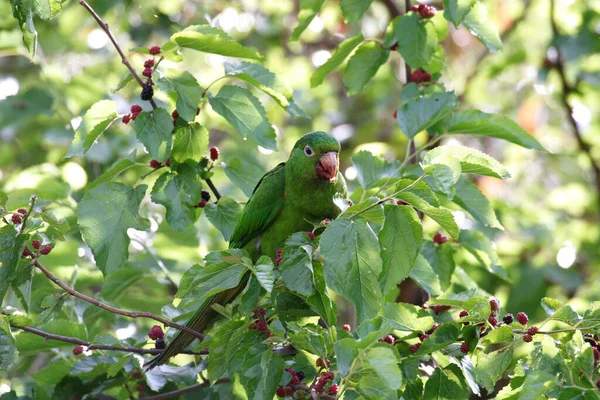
{"type": "Point", "coordinates": [283, 201]}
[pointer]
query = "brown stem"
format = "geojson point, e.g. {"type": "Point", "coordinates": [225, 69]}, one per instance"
{"type": "Point", "coordinates": [212, 187]}
{"type": "Point", "coordinates": [567, 90]}
{"type": "Point", "coordinates": [189, 389]}
{"type": "Point", "coordinates": [90, 346]}
{"type": "Point", "coordinates": [392, 8]}
{"type": "Point", "coordinates": [33, 200]}
{"type": "Point", "coordinates": [124, 59]}
{"type": "Point", "coordinates": [114, 310]}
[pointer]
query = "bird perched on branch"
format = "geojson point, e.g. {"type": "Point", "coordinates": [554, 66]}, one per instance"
{"type": "Point", "coordinates": [284, 200]}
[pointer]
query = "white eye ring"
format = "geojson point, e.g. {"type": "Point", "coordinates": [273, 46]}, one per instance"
{"type": "Point", "coordinates": [308, 151]}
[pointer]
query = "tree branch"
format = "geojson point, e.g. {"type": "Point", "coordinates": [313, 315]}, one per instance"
{"type": "Point", "coordinates": [114, 310]}
{"type": "Point", "coordinates": [90, 346]}
{"type": "Point", "coordinates": [567, 90]}
{"type": "Point", "coordinates": [124, 59]}
{"type": "Point", "coordinates": [212, 187]}
{"type": "Point", "coordinates": [189, 389]}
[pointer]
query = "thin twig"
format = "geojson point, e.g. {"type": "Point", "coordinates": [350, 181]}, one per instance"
{"type": "Point", "coordinates": [91, 346]}
{"type": "Point", "coordinates": [114, 310]}
{"type": "Point", "coordinates": [124, 59]}
{"type": "Point", "coordinates": [213, 188]}
{"type": "Point", "coordinates": [31, 205]}
{"type": "Point", "coordinates": [567, 90]}
{"type": "Point", "coordinates": [189, 389]}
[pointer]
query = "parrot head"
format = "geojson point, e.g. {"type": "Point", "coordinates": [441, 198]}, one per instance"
{"type": "Point", "coordinates": [315, 156]}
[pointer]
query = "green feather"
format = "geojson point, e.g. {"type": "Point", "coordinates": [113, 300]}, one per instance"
{"type": "Point", "coordinates": [282, 203]}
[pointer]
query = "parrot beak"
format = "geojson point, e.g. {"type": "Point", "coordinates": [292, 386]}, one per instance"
{"type": "Point", "coordinates": [327, 166]}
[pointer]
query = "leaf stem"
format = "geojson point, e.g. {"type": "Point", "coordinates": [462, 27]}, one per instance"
{"type": "Point", "coordinates": [33, 199]}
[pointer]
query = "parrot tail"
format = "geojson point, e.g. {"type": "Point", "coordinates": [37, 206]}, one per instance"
{"type": "Point", "coordinates": [199, 322]}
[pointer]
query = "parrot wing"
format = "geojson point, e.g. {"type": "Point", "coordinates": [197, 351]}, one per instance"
{"type": "Point", "coordinates": [263, 207]}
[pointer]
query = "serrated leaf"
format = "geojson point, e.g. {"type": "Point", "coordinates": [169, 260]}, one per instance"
{"type": "Point", "coordinates": [446, 384]}
{"type": "Point", "coordinates": [483, 250]}
{"type": "Point", "coordinates": [490, 367]}
{"type": "Point", "coordinates": [370, 168]}
{"type": "Point", "coordinates": [407, 317]}
{"type": "Point", "coordinates": [128, 78]}
{"type": "Point", "coordinates": [550, 305]}
{"type": "Point", "coordinates": [262, 370]}
{"type": "Point", "coordinates": [190, 143]}
{"type": "Point", "coordinates": [224, 215]}
{"type": "Point", "coordinates": [475, 122]}
{"type": "Point", "coordinates": [8, 352]}
{"type": "Point", "coordinates": [11, 249]}
{"type": "Point", "coordinates": [24, 15]}
{"type": "Point", "coordinates": [363, 65]}
{"type": "Point", "coordinates": [155, 130]}
{"type": "Point", "coordinates": [353, 264]}
{"type": "Point", "coordinates": [369, 210]}
{"type": "Point", "coordinates": [296, 270]}
{"type": "Point", "coordinates": [261, 78]}
{"type": "Point", "coordinates": [440, 215]}
{"type": "Point", "coordinates": [263, 270]}
{"type": "Point", "coordinates": [321, 301]}
{"type": "Point", "coordinates": [425, 277]}
{"type": "Point", "coordinates": [243, 174]}
{"type": "Point", "coordinates": [227, 341]}
{"type": "Point", "coordinates": [105, 214]}
{"type": "Point", "coordinates": [188, 91]}
{"type": "Point", "coordinates": [246, 114]}
{"type": "Point", "coordinates": [418, 114]}
{"type": "Point", "coordinates": [471, 161]}
{"type": "Point", "coordinates": [456, 10]}
{"type": "Point", "coordinates": [478, 308]}
{"type": "Point", "coordinates": [336, 60]}
{"type": "Point", "coordinates": [441, 259]}
{"type": "Point", "coordinates": [416, 39]}
{"type": "Point", "coordinates": [444, 174]}
{"type": "Point", "coordinates": [113, 171]}
{"type": "Point", "coordinates": [207, 39]}
{"type": "Point", "coordinates": [480, 26]}
{"type": "Point", "coordinates": [353, 10]}
{"type": "Point", "coordinates": [567, 315]}
{"type": "Point", "coordinates": [385, 360]}
{"type": "Point", "coordinates": [179, 192]}
{"type": "Point", "coordinates": [310, 338]}
{"type": "Point", "coordinates": [400, 240]}
{"type": "Point", "coordinates": [346, 351]}
{"type": "Point", "coordinates": [95, 121]}
{"type": "Point", "coordinates": [47, 9]}
{"type": "Point", "coordinates": [308, 11]}
{"type": "Point", "coordinates": [471, 199]}
{"type": "Point", "coordinates": [500, 335]}
{"type": "Point", "coordinates": [443, 336]}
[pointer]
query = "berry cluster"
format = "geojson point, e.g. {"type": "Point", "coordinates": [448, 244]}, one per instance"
{"type": "Point", "coordinates": [324, 379]}
{"type": "Point", "coordinates": [311, 235]}
{"type": "Point", "coordinates": [297, 377]}
{"type": "Point", "coordinates": [593, 341]}
{"type": "Point", "coordinates": [424, 11]}
{"type": "Point", "coordinates": [156, 333]}
{"type": "Point", "coordinates": [388, 339]}
{"type": "Point", "coordinates": [260, 323]}
{"type": "Point", "coordinates": [17, 217]}
{"type": "Point", "coordinates": [419, 76]}
{"type": "Point", "coordinates": [425, 335]}
{"type": "Point", "coordinates": [204, 199]}
{"type": "Point", "coordinates": [136, 109]}
{"type": "Point", "coordinates": [77, 350]}
{"type": "Point", "coordinates": [37, 245]}
{"type": "Point", "coordinates": [278, 257]}
{"type": "Point", "coordinates": [147, 90]}
{"type": "Point", "coordinates": [157, 164]}
{"type": "Point", "coordinates": [439, 238]}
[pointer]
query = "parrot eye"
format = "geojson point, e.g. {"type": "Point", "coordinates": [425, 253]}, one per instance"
{"type": "Point", "coordinates": [308, 151]}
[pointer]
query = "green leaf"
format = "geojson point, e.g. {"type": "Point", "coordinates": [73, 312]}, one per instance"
{"type": "Point", "coordinates": [423, 275]}
{"type": "Point", "coordinates": [212, 40]}
{"type": "Point", "coordinates": [500, 335]}
{"type": "Point", "coordinates": [262, 370]}
{"type": "Point", "coordinates": [440, 215]}
{"type": "Point", "coordinates": [469, 197]}
{"type": "Point", "coordinates": [353, 10]}
{"type": "Point", "coordinates": [384, 360]}
{"type": "Point", "coordinates": [418, 114]}
{"type": "Point", "coordinates": [105, 214]}
{"type": "Point", "coordinates": [261, 78]}
{"type": "Point", "coordinates": [416, 39]}
{"type": "Point", "coordinates": [446, 384]}
{"type": "Point", "coordinates": [95, 121]}
{"type": "Point", "coordinates": [243, 174]}
{"type": "Point", "coordinates": [550, 305]}
{"type": "Point", "coordinates": [320, 301]}
{"type": "Point", "coordinates": [346, 351]}
{"type": "Point", "coordinates": [51, 307]}
{"type": "Point", "coordinates": [368, 210]}
{"type": "Point", "coordinates": [11, 249]}
{"type": "Point", "coordinates": [308, 11]}
{"type": "Point", "coordinates": [407, 317]}
{"type": "Point", "coordinates": [567, 315]}
{"type": "Point", "coordinates": [441, 259]}
{"type": "Point", "coordinates": [310, 338]}
{"type": "Point", "coordinates": [29, 344]}
{"type": "Point", "coordinates": [400, 240]}
{"type": "Point", "coordinates": [8, 352]}
{"type": "Point", "coordinates": [155, 131]}
{"type": "Point", "coordinates": [179, 192]}
{"type": "Point", "coordinates": [226, 342]}
{"type": "Point", "coordinates": [490, 367]}
{"type": "Point", "coordinates": [483, 250]}
{"type": "Point", "coordinates": [113, 171]}
{"type": "Point", "coordinates": [126, 80]}
{"type": "Point", "coordinates": [263, 270]}
{"type": "Point", "coordinates": [443, 336]}
{"type": "Point", "coordinates": [444, 174]}
{"type": "Point", "coordinates": [246, 114]}
{"type": "Point", "coordinates": [471, 161]}
{"type": "Point", "coordinates": [475, 122]}
{"type": "Point", "coordinates": [363, 65]}
{"type": "Point", "coordinates": [352, 264]}
{"type": "Point", "coordinates": [52, 373]}
{"type": "Point", "coordinates": [421, 189]}
{"type": "Point", "coordinates": [478, 23]}
{"type": "Point", "coordinates": [24, 15]}
{"type": "Point", "coordinates": [456, 10]}
{"type": "Point", "coordinates": [336, 60]}
{"type": "Point", "coordinates": [478, 308]}
{"type": "Point", "coordinates": [296, 270]}
{"type": "Point", "coordinates": [190, 143]}
{"type": "Point", "coordinates": [370, 168]}
{"type": "Point", "coordinates": [187, 89]}
{"type": "Point", "coordinates": [224, 215]}
{"type": "Point", "coordinates": [47, 9]}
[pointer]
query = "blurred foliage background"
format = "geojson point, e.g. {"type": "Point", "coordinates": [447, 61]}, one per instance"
{"type": "Point", "coordinates": [550, 207]}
